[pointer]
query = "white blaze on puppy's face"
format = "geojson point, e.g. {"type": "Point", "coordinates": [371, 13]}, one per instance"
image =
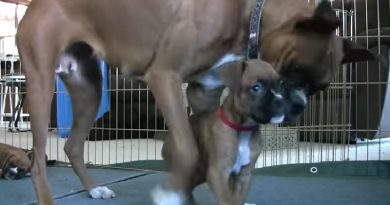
{"type": "Point", "coordinates": [278, 118]}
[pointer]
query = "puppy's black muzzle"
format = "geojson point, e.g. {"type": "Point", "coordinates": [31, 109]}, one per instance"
{"type": "Point", "coordinates": [15, 173]}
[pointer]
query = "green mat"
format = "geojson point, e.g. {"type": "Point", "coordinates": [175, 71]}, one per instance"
{"type": "Point", "coordinates": [324, 169]}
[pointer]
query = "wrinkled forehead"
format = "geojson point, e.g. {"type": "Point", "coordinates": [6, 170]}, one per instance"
{"type": "Point", "coordinates": [300, 58]}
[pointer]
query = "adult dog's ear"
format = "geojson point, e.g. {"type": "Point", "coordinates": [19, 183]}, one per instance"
{"type": "Point", "coordinates": [324, 20]}
{"type": "Point", "coordinates": [231, 75]}
{"type": "Point", "coordinates": [353, 52]}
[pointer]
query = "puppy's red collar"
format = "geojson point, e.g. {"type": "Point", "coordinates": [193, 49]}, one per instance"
{"type": "Point", "coordinates": [237, 127]}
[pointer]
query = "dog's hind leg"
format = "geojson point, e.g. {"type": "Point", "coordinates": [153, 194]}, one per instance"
{"type": "Point", "coordinates": [79, 70]}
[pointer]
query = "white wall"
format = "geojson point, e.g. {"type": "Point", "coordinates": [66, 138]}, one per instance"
{"type": "Point", "coordinates": [7, 27]}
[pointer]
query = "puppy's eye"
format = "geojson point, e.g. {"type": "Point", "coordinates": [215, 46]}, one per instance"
{"type": "Point", "coordinates": [258, 87]}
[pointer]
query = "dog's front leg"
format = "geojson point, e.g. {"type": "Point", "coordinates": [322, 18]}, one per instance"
{"type": "Point", "coordinates": [166, 87]}
{"type": "Point", "coordinates": [40, 87]}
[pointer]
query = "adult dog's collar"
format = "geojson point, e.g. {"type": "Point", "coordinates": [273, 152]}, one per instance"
{"type": "Point", "coordinates": [255, 31]}
{"type": "Point", "coordinates": [237, 127]}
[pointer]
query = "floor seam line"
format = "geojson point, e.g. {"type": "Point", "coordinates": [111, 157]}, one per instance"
{"type": "Point", "coordinates": [73, 193]}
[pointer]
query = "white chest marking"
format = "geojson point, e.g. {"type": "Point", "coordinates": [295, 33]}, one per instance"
{"type": "Point", "coordinates": [210, 80]}
{"type": "Point", "coordinates": [243, 152]}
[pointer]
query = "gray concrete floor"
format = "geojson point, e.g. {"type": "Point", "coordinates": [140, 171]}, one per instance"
{"type": "Point", "coordinates": [134, 188]}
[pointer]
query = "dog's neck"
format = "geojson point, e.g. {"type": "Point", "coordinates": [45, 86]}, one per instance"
{"type": "Point", "coordinates": [234, 118]}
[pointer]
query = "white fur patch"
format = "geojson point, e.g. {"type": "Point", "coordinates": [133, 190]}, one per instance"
{"type": "Point", "coordinates": [277, 95]}
{"type": "Point", "coordinates": [67, 65]}
{"type": "Point", "coordinates": [302, 95]}
{"type": "Point", "coordinates": [243, 152]}
{"type": "Point", "coordinates": [101, 192]}
{"type": "Point", "coordinates": [165, 197]}
{"type": "Point", "coordinates": [227, 58]}
{"type": "Point", "coordinates": [277, 119]}
{"type": "Point", "coordinates": [13, 170]}
{"type": "Point", "coordinates": [249, 204]}
{"type": "Point", "coordinates": [210, 80]}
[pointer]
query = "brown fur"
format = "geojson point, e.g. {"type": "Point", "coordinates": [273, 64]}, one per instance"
{"type": "Point", "coordinates": [13, 156]}
{"type": "Point", "coordinates": [218, 143]}
{"type": "Point", "coordinates": [164, 42]}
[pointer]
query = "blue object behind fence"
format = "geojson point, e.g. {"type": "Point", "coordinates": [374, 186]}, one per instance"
{"type": "Point", "coordinates": [64, 105]}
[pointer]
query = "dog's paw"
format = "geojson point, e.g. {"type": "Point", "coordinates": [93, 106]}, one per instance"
{"type": "Point", "coordinates": [249, 204]}
{"type": "Point", "coordinates": [101, 192]}
{"type": "Point", "coordinates": [166, 197]}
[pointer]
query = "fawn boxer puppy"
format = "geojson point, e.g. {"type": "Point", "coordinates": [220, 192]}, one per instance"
{"type": "Point", "coordinates": [14, 162]}
{"type": "Point", "coordinates": [228, 138]}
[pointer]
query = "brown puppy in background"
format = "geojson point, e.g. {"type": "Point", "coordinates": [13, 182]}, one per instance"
{"type": "Point", "coordinates": [228, 139]}
{"type": "Point", "coordinates": [14, 162]}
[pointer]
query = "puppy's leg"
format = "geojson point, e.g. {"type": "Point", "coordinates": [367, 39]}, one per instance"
{"type": "Point", "coordinates": [240, 186]}
{"type": "Point", "coordinates": [229, 189]}
{"type": "Point", "coordinates": [39, 69]}
{"type": "Point", "coordinates": [79, 70]}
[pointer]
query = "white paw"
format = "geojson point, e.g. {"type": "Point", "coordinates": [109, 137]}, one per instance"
{"type": "Point", "coordinates": [101, 192]}
{"type": "Point", "coordinates": [249, 204]}
{"type": "Point", "coordinates": [165, 197]}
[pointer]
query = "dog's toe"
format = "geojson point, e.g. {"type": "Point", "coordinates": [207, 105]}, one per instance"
{"type": "Point", "coordinates": [101, 192]}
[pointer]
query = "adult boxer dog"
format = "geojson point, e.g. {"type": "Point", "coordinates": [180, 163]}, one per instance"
{"type": "Point", "coordinates": [165, 43]}
{"type": "Point", "coordinates": [15, 163]}
{"type": "Point", "coordinates": [228, 139]}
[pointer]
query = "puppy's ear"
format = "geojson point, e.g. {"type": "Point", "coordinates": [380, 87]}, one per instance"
{"type": "Point", "coordinates": [352, 52]}
{"type": "Point", "coordinates": [324, 20]}
{"type": "Point", "coordinates": [231, 75]}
